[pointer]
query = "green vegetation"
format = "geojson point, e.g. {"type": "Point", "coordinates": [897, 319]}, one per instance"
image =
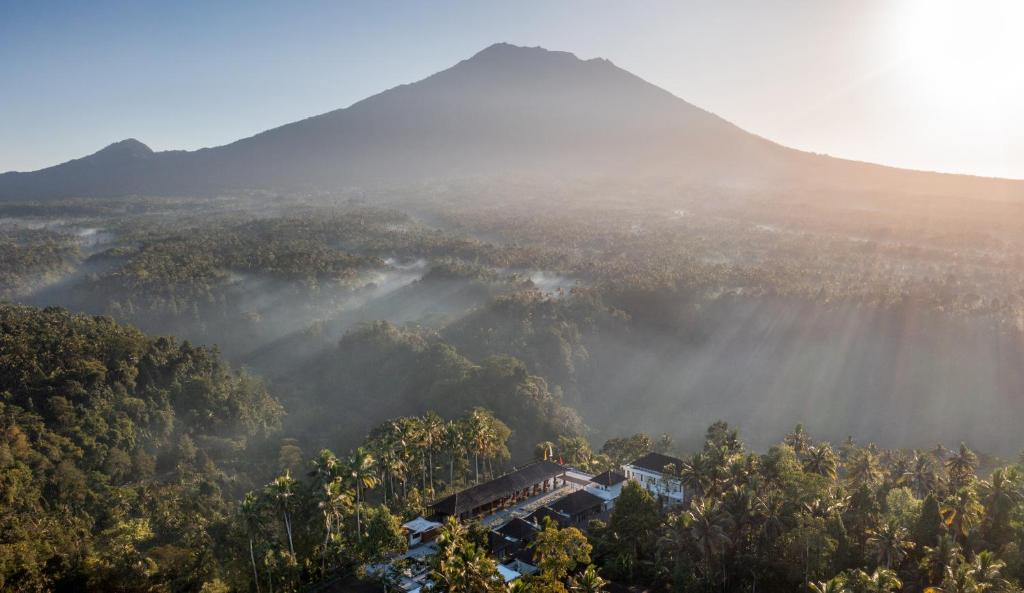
{"type": "Point", "coordinates": [803, 517]}
{"type": "Point", "coordinates": [120, 455]}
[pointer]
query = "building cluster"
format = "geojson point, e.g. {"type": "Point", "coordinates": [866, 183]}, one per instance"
{"type": "Point", "coordinates": [515, 506]}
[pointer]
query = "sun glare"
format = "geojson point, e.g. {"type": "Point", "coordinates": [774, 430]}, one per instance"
{"type": "Point", "coordinates": [966, 56]}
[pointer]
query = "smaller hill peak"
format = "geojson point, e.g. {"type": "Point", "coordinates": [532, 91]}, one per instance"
{"type": "Point", "coordinates": [127, 147]}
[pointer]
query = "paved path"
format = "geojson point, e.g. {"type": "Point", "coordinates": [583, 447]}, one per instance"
{"type": "Point", "coordinates": [525, 508]}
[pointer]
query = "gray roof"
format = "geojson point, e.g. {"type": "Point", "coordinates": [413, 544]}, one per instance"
{"type": "Point", "coordinates": [498, 488]}
{"type": "Point", "coordinates": [656, 462]}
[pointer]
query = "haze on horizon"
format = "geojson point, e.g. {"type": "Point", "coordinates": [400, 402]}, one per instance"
{"type": "Point", "coordinates": [915, 83]}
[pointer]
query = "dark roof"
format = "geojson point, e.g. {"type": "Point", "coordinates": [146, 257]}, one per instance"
{"type": "Point", "coordinates": [537, 517]}
{"type": "Point", "coordinates": [518, 529]}
{"type": "Point", "coordinates": [525, 555]}
{"type": "Point", "coordinates": [609, 478]}
{"type": "Point", "coordinates": [488, 492]}
{"type": "Point", "coordinates": [577, 502]}
{"type": "Point", "coordinates": [656, 462]}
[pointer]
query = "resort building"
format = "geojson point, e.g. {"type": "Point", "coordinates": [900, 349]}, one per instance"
{"type": "Point", "coordinates": [533, 480]}
{"type": "Point", "coordinates": [651, 473]}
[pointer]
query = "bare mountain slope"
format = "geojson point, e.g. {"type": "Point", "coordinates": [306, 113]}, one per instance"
{"type": "Point", "coordinates": [506, 112]}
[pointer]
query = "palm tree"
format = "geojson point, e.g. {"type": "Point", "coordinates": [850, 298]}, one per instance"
{"type": "Point", "coordinates": [460, 565]}
{"type": "Point", "coordinates": [588, 581]}
{"type": "Point", "coordinates": [798, 440]}
{"type": "Point", "coordinates": [863, 468]}
{"type": "Point", "coordinates": [250, 510]}
{"type": "Point", "coordinates": [882, 580]}
{"type": "Point", "coordinates": [282, 489]}
{"type": "Point", "coordinates": [821, 460]}
{"type": "Point", "coordinates": [987, 570]}
{"type": "Point", "coordinates": [1000, 495]}
{"type": "Point", "coordinates": [922, 477]}
{"type": "Point", "coordinates": [945, 553]}
{"type": "Point", "coordinates": [697, 474]}
{"type": "Point", "coordinates": [455, 445]}
{"type": "Point", "coordinates": [325, 467]}
{"type": "Point", "coordinates": [709, 525]}
{"type": "Point", "coordinates": [961, 466]}
{"type": "Point", "coordinates": [962, 512]}
{"type": "Point", "coordinates": [433, 434]}
{"type": "Point", "coordinates": [835, 585]}
{"type": "Point", "coordinates": [891, 543]}
{"type": "Point", "coordinates": [480, 437]}
{"type": "Point", "coordinates": [334, 502]}
{"type": "Point", "coordinates": [360, 473]}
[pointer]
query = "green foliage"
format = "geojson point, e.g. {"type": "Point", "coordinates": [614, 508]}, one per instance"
{"type": "Point", "coordinates": [118, 453]}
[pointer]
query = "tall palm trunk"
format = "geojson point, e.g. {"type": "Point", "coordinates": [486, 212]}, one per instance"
{"type": "Point", "coordinates": [255, 573]}
{"type": "Point", "coordinates": [359, 524]}
{"type": "Point", "coordinates": [288, 528]}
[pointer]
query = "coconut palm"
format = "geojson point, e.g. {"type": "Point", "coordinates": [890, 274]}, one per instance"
{"type": "Point", "coordinates": [882, 580]}
{"type": "Point", "coordinates": [890, 543]}
{"type": "Point", "coordinates": [962, 512]}
{"type": "Point", "coordinates": [360, 473]}
{"type": "Point", "coordinates": [282, 490]}
{"type": "Point", "coordinates": [821, 460]}
{"type": "Point", "coordinates": [798, 440]}
{"type": "Point", "coordinates": [1000, 495]}
{"type": "Point", "coordinates": [863, 468]}
{"type": "Point", "coordinates": [961, 466]}
{"type": "Point", "coordinates": [922, 477]}
{"type": "Point", "coordinates": [460, 565]}
{"type": "Point", "coordinates": [251, 519]}
{"type": "Point", "coordinates": [834, 585]}
{"type": "Point", "coordinates": [334, 501]}
{"type": "Point", "coordinates": [588, 581]}
{"type": "Point", "coordinates": [433, 434]}
{"type": "Point", "coordinates": [709, 526]}
{"type": "Point", "coordinates": [945, 553]}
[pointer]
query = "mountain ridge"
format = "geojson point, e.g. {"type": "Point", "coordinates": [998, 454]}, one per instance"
{"type": "Point", "coordinates": [507, 111]}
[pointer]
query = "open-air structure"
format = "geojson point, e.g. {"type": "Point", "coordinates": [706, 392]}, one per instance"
{"type": "Point", "coordinates": [531, 480]}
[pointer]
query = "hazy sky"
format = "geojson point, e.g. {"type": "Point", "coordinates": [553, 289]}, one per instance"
{"type": "Point", "coordinates": [928, 84]}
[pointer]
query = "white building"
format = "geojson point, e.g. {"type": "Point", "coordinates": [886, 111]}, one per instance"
{"type": "Point", "coordinates": [607, 486]}
{"type": "Point", "coordinates": [650, 472]}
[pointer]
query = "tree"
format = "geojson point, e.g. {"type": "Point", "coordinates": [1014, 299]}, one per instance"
{"type": "Point", "coordinates": [821, 460]}
{"type": "Point", "coordinates": [282, 490]}
{"type": "Point", "coordinates": [461, 565]}
{"type": "Point", "coordinates": [836, 584]}
{"type": "Point", "coordinates": [589, 581]}
{"type": "Point", "coordinates": [929, 523]}
{"type": "Point", "coordinates": [708, 525]}
{"type": "Point", "coordinates": [360, 473]}
{"type": "Point", "coordinates": [630, 531]}
{"type": "Point", "coordinates": [251, 520]}
{"type": "Point", "coordinates": [557, 552]}
{"type": "Point", "coordinates": [880, 581]}
{"type": "Point", "coordinates": [962, 512]}
{"type": "Point", "coordinates": [384, 536]}
{"type": "Point", "coordinates": [961, 466]}
{"type": "Point", "coordinates": [863, 468]}
{"type": "Point", "coordinates": [798, 440]}
{"type": "Point", "coordinates": [890, 544]}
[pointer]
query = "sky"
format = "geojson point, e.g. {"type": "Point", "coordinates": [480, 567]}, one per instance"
{"type": "Point", "coordinates": [925, 84]}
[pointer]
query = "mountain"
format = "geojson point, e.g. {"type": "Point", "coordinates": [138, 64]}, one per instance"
{"type": "Point", "coordinates": [508, 111]}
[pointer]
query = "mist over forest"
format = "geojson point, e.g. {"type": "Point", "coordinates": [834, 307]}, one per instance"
{"type": "Point", "coordinates": [653, 313]}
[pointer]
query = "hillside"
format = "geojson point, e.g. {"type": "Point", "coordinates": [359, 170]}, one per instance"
{"type": "Point", "coordinates": [507, 112]}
